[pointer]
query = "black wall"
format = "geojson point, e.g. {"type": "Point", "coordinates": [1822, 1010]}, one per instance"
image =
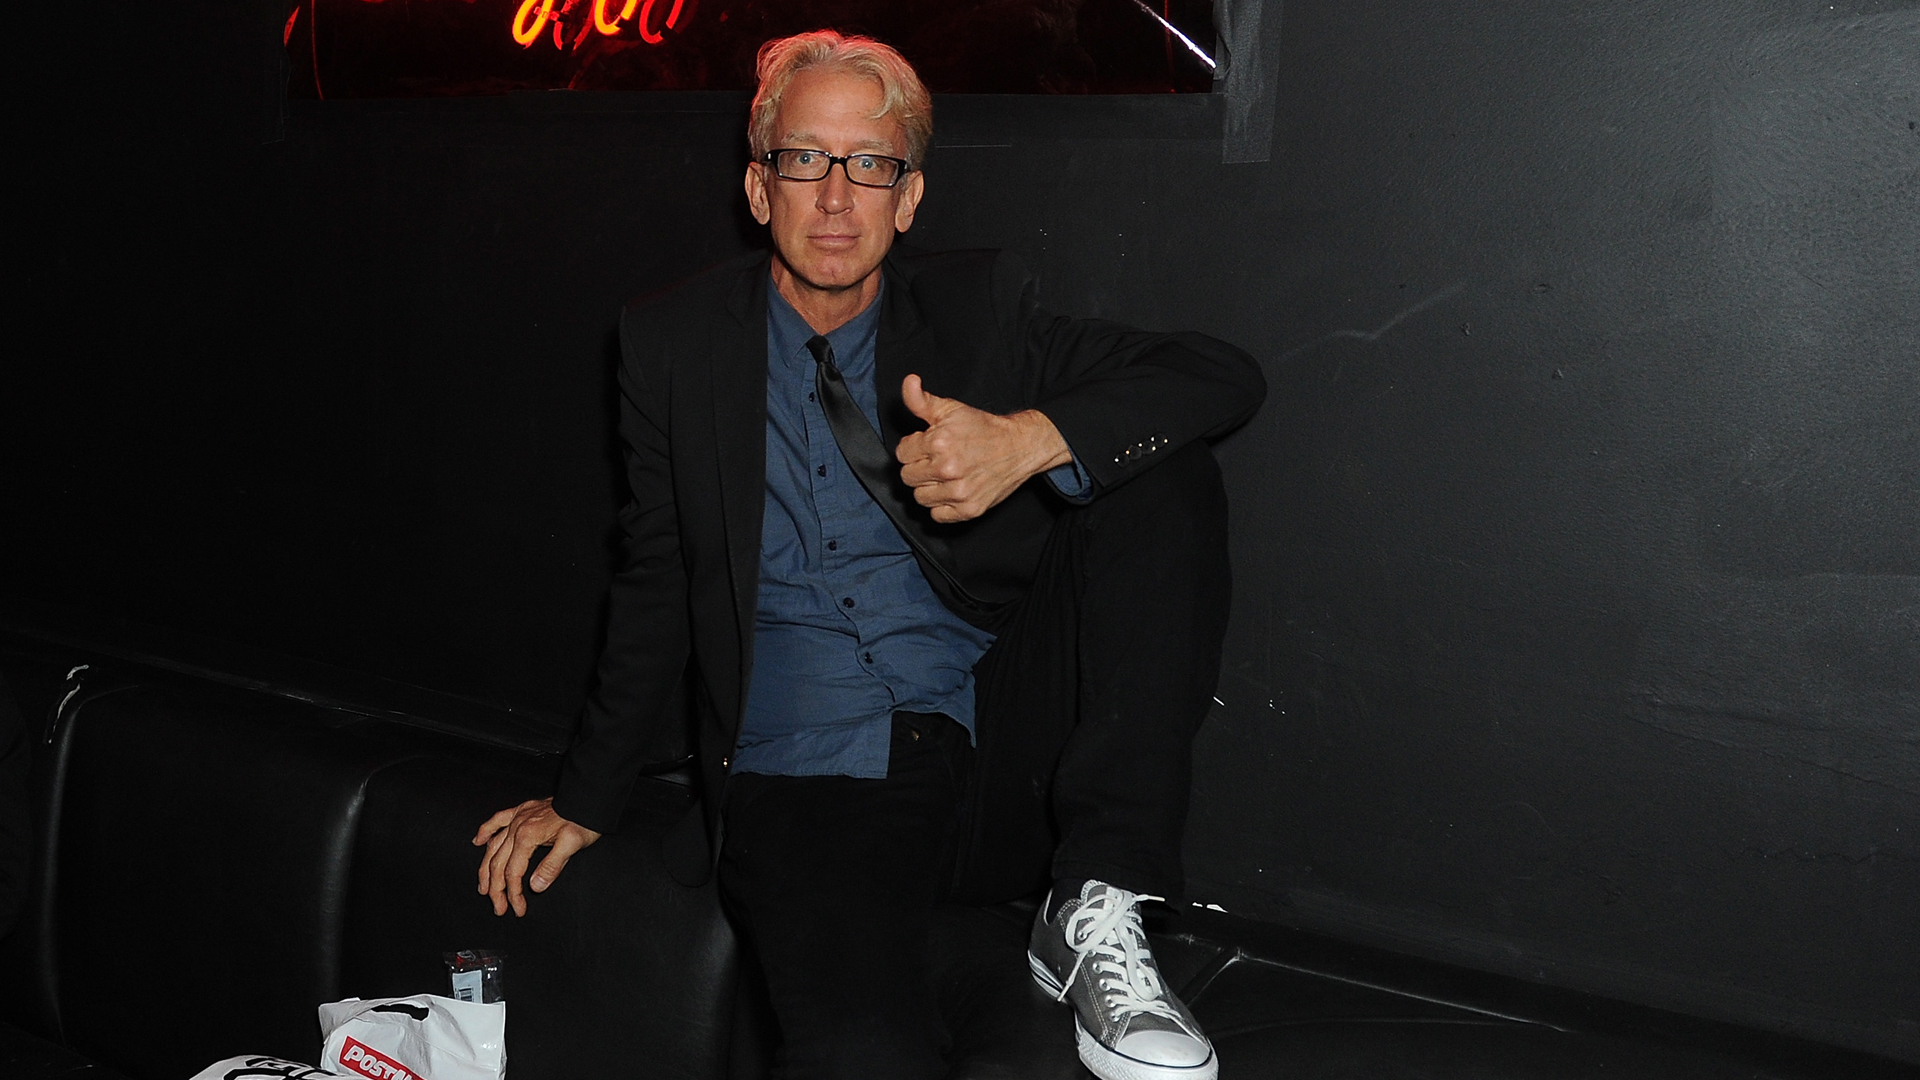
{"type": "Point", "coordinates": [1578, 547]}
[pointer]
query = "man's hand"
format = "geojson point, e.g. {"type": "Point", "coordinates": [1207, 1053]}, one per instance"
{"type": "Point", "coordinates": [968, 460]}
{"type": "Point", "coordinates": [510, 838]}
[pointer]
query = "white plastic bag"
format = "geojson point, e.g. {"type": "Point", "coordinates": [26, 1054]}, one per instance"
{"type": "Point", "coordinates": [261, 1067]}
{"type": "Point", "coordinates": [423, 1037]}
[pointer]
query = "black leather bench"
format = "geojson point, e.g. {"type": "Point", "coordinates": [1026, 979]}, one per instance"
{"type": "Point", "coordinates": [213, 862]}
{"type": "Point", "coordinates": [219, 862]}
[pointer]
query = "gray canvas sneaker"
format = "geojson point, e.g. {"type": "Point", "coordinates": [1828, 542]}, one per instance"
{"type": "Point", "coordinates": [1130, 1025]}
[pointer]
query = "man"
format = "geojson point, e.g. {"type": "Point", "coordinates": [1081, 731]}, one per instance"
{"type": "Point", "coordinates": [944, 567]}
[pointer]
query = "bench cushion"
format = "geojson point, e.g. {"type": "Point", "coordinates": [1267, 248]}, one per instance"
{"type": "Point", "coordinates": [199, 871]}
{"type": "Point", "coordinates": [222, 862]}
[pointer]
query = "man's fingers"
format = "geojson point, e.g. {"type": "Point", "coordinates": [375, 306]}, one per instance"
{"type": "Point", "coordinates": [493, 833]}
{"type": "Point", "coordinates": [942, 492]}
{"type": "Point", "coordinates": [493, 825]}
{"type": "Point", "coordinates": [495, 888]}
{"type": "Point", "coordinates": [494, 844]}
{"type": "Point", "coordinates": [912, 448]}
{"type": "Point", "coordinates": [516, 875]}
{"type": "Point", "coordinates": [948, 503]}
{"type": "Point", "coordinates": [497, 863]}
{"type": "Point", "coordinates": [922, 474]}
{"type": "Point", "coordinates": [510, 859]}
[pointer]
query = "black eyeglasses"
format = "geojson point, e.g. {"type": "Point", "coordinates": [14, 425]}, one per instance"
{"type": "Point", "coordinates": [867, 170]}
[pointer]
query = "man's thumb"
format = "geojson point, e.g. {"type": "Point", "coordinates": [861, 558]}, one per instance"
{"type": "Point", "coordinates": [549, 868]}
{"type": "Point", "coordinates": [920, 403]}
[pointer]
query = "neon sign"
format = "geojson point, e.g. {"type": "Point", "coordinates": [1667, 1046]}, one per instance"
{"type": "Point", "coordinates": [469, 48]}
{"type": "Point", "coordinates": [534, 15]}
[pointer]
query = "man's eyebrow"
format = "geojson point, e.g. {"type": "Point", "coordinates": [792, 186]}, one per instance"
{"type": "Point", "coordinates": [806, 139]}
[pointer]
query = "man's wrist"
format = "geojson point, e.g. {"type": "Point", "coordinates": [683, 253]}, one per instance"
{"type": "Point", "coordinates": [1048, 448]}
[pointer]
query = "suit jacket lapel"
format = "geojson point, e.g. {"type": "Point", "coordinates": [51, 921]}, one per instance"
{"type": "Point", "coordinates": [902, 349]}
{"type": "Point", "coordinates": [906, 347]}
{"type": "Point", "coordinates": [738, 368]}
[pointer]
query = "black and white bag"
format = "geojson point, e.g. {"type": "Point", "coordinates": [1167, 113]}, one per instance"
{"type": "Point", "coordinates": [423, 1037]}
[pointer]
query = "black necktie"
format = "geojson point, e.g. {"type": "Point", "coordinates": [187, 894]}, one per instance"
{"type": "Point", "coordinates": [877, 472]}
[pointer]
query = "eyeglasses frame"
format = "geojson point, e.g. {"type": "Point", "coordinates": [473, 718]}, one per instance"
{"type": "Point", "coordinates": [772, 158]}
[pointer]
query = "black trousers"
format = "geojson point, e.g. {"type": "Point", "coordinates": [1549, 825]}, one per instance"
{"type": "Point", "coordinates": [1086, 707]}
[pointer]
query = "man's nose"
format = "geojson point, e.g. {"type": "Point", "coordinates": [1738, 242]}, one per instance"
{"type": "Point", "coordinates": [836, 192]}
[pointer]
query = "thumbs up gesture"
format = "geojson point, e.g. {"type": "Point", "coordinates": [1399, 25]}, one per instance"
{"type": "Point", "coordinates": [967, 460]}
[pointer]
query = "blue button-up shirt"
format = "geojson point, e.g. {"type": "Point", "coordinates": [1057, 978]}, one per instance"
{"type": "Point", "coordinates": [847, 630]}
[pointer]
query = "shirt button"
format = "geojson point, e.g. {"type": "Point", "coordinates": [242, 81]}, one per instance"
{"type": "Point", "coordinates": [809, 395]}
{"type": "Point", "coordinates": [868, 657]}
{"type": "Point", "coordinates": [833, 545]}
{"type": "Point", "coordinates": [823, 470]}
{"type": "Point", "coordinates": [846, 601]}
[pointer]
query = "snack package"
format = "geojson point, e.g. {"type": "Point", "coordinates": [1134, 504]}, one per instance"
{"type": "Point", "coordinates": [423, 1037]}
{"type": "Point", "coordinates": [477, 975]}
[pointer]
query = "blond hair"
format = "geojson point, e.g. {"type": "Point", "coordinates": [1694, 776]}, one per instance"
{"type": "Point", "coordinates": [903, 96]}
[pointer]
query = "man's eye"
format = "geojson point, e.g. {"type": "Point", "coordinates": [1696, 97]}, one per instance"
{"type": "Point", "coordinates": [865, 163]}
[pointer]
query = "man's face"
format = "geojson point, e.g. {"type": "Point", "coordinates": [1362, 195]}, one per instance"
{"type": "Point", "coordinates": [833, 233]}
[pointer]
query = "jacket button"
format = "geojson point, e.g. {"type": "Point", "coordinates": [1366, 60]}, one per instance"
{"type": "Point", "coordinates": [726, 763]}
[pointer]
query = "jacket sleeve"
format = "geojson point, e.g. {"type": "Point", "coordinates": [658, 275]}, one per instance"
{"type": "Point", "coordinates": [1122, 397]}
{"type": "Point", "coordinates": [635, 715]}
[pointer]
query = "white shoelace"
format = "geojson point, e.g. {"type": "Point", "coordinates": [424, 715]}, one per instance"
{"type": "Point", "coordinates": [1107, 928]}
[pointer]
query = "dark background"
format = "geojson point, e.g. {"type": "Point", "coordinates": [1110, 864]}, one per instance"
{"type": "Point", "coordinates": [1577, 628]}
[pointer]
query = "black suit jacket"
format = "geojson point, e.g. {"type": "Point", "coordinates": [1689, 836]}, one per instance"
{"type": "Point", "coordinates": [693, 383]}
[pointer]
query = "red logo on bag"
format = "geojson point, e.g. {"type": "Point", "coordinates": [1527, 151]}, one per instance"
{"type": "Point", "coordinates": [367, 1061]}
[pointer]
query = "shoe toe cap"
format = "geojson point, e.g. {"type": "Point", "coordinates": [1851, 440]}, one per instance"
{"type": "Point", "coordinates": [1173, 1049]}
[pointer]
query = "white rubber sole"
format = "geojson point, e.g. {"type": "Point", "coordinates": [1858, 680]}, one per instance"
{"type": "Point", "coordinates": [1110, 1064]}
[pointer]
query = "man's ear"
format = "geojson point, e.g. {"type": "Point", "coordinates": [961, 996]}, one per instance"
{"type": "Point", "coordinates": [757, 192]}
{"type": "Point", "coordinates": [908, 200]}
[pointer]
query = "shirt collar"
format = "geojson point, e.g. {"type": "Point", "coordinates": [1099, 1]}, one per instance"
{"type": "Point", "coordinates": [850, 342]}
